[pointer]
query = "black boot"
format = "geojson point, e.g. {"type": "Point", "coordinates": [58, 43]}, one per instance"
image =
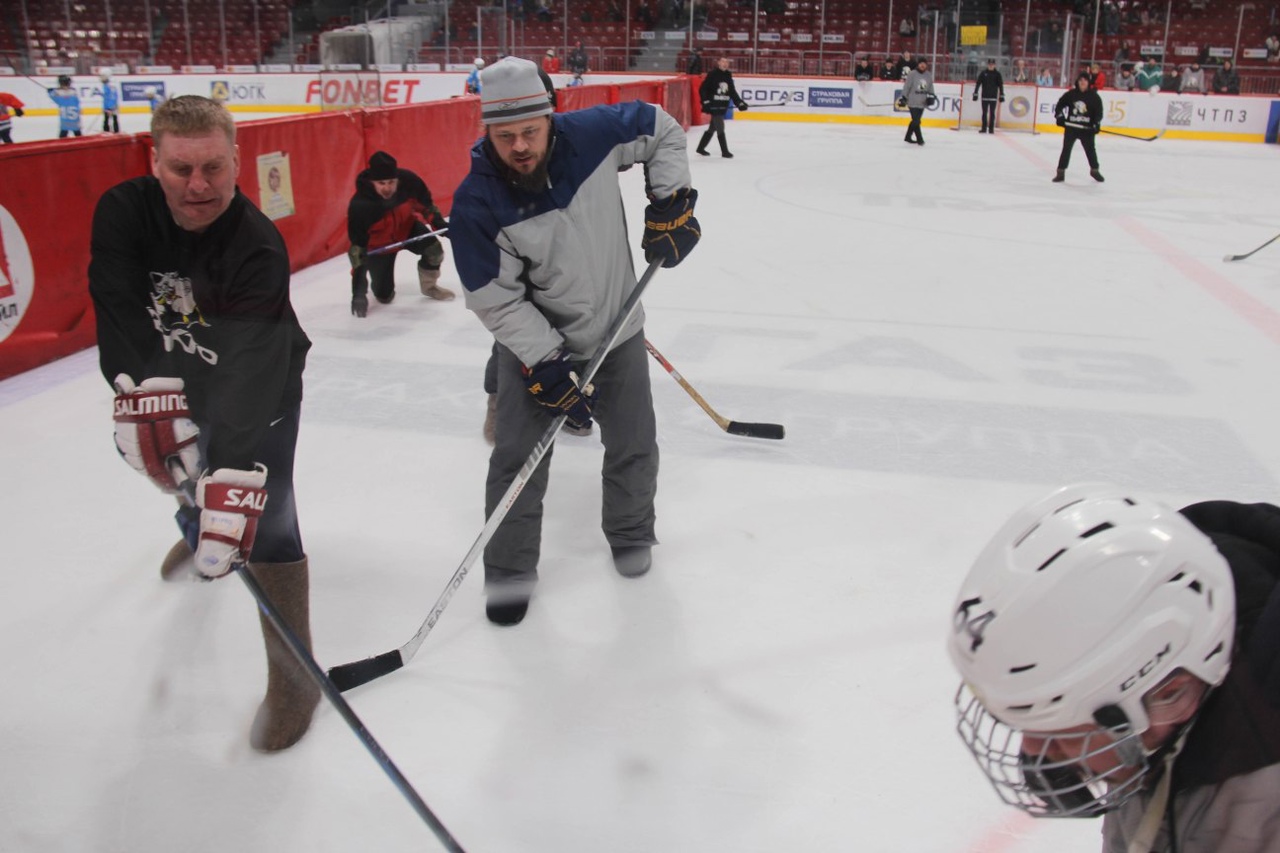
{"type": "Point", "coordinates": [1060, 176]}
{"type": "Point", "coordinates": [632, 561]}
{"type": "Point", "coordinates": [702, 143]}
{"type": "Point", "coordinates": [507, 604]}
{"type": "Point", "coordinates": [1096, 175]}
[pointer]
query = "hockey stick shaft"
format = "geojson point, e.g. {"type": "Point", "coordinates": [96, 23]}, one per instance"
{"type": "Point", "coordinates": [335, 698]}
{"type": "Point", "coordinates": [775, 431]}
{"type": "Point", "coordinates": [382, 250]}
{"type": "Point", "coordinates": [1255, 251]}
{"type": "Point", "coordinates": [348, 675]}
{"type": "Point", "coordinates": [1131, 136]}
{"type": "Point", "coordinates": [327, 687]}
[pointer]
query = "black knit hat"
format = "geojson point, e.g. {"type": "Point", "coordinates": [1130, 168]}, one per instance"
{"type": "Point", "coordinates": [382, 167]}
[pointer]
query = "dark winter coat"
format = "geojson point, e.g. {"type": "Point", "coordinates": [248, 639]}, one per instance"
{"type": "Point", "coordinates": [989, 85]}
{"type": "Point", "coordinates": [1080, 110]}
{"type": "Point", "coordinates": [373, 221]}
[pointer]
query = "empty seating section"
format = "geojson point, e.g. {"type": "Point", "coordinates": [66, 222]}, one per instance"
{"type": "Point", "coordinates": [182, 32]}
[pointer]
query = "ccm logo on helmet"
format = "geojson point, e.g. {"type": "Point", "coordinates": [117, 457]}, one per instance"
{"type": "Point", "coordinates": [1145, 669]}
{"type": "Point", "coordinates": [974, 627]}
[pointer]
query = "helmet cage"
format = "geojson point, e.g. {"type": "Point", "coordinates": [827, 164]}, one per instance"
{"type": "Point", "coordinates": [1041, 783]}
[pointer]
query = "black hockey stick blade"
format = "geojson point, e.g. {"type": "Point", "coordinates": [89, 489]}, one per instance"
{"type": "Point", "coordinates": [1254, 252]}
{"type": "Point", "coordinates": [775, 431]}
{"type": "Point", "coordinates": [345, 676]}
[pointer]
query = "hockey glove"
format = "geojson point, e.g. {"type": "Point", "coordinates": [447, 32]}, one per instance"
{"type": "Point", "coordinates": [18, 112]}
{"type": "Point", "coordinates": [553, 382]}
{"type": "Point", "coordinates": [975, 96]}
{"type": "Point", "coordinates": [901, 103]}
{"type": "Point", "coordinates": [744, 106]}
{"type": "Point", "coordinates": [230, 503]}
{"type": "Point", "coordinates": [931, 100]}
{"type": "Point", "coordinates": [357, 256]}
{"type": "Point", "coordinates": [1062, 122]}
{"type": "Point", "coordinates": [154, 430]}
{"type": "Point", "coordinates": [1002, 99]}
{"type": "Point", "coordinates": [670, 229]}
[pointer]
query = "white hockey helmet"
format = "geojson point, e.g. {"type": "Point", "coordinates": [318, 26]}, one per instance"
{"type": "Point", "coordinates": [149, 92]}
{"type": "Point", "coordinates": [1079, 605]}
{"type": "Point", "coordinates": [479, 62]}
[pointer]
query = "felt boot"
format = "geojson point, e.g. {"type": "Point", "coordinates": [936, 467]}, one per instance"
{"type": "Point", "coordinates": [285, 713]}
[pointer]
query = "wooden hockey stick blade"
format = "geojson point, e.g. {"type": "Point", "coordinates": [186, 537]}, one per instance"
{"type": "Point", "coordinates": [775, 431]}
{"type": "Point", "coordinates": [345, 676]}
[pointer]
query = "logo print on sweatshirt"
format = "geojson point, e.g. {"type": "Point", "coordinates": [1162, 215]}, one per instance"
{"type": "Point", "coordinates": [17, 275]}
{"type": "Point", "coordinates": [174, 311]}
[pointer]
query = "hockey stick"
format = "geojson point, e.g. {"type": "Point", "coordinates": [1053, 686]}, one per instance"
{"type": "Point", "coordinates": [776, 431]}
{"type": "Point", "coordinates": [1131, 136]}
{"type": "Point", "coordinates": [1247, 254]}
{"type": "Point", "coordinates": [348, 675]}
{"type": "Point", "coordinates": [863, 101]}
{"type": "Point", "coordinates": [381, 250]}
{"type": "Point", "coordinates": [330, 691]}
{"type": "Point", "coordinates": [769, 106]}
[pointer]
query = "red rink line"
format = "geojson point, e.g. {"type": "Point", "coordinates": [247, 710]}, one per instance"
{"type": "Point", "coordinates": [1005, 835]}
{"type": "Point", "coordinates": [1254, 312]}
{"type": "Point", "coordinates": [1257, 314]}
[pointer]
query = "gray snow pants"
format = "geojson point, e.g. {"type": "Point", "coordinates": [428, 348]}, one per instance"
{"type": "Point", "coordinates": [624, 412]}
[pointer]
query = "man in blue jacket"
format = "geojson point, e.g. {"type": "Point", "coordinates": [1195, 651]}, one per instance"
{"type": "Point", "coordinates": [540, 243]}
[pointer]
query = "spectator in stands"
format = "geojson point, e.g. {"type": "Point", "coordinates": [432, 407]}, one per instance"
{"type": "Point", "coordinates": [1149, 74]}
{"type": "Point", "coordinates": [8, 103]}
{"type": "Point", "coordinates": [1172, 78]}
{"type": "Point", "coordinates": [1020, 73]}
{"type": "Point", "coordinates": [1126, 82]}
{"type": "Point", "coordinates": [907, 29]}
{"type": "Point", "coordinates": [718, 93]}
{"type": "Point", "coordinates": [1123, 55]}
{"type": "Point", "coordinates": [544, 13]}
{"type": "Point", "coordinates": [863, 71]}
{"type": "Point", "coordinates": [1192, 82]}
{"type": "Point", "coordinates": [888, 69]}
{"type": "Point", "coordinates": [551, 62]}
{"type": "Point", "coordinates": [1227, 80]}
{"type": "Point", "coordinates": [615, 13]}
{"type": "Point", "coordinates": [391, 205]}
{"type": "Point", "coordinates": [694, 66]}
{"type": "Point", "coordinates": [1272, 44]}
{"type": "Point", "coordinates": [1045, 77]}
{"type": "Point", "coordinates": [903, 66]}
{"type": "Point", "coordinates": [472, 86]}
{"type": "Point", "coordinates": [1097, 77]}
{"type": "Point", "coordinates": [68, 101]}
{"type": "Point", "coordinates": [110, 104]}
{"type": "Point", "coordinates": [578, 60]}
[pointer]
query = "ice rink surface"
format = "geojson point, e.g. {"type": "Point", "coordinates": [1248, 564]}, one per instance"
{"type": "Point", "coordinates": [945, 335]}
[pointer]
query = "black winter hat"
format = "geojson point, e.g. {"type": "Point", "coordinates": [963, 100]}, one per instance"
{"type": "Point", "coordinates": [382, 167]}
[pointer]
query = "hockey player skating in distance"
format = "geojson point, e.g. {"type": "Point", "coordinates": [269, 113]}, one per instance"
{"type": "Point", "coordinates": [472, 84]}
{"type": "Point", "coordinates": [391, 205]}
{"type": "Point", "coordinates": [1121, 658]}
{"type": "Point", "coordinates": [9, 105]}
{"type": "Point", "coordinates": [68, 102]}
{"type": "Point", "coordinates": [540, 241]}
{"type": "Point", "coordinates": [110, 104]}
{"type": "Point", "coordinates": [717, 92]}
{"type": "Point", "coordinates": [917, 94]}
{"type": "Point", "coordinates": [1079, 114]}
{"type": "Point", "coordinates": [990, 89]}
{"type": "Point", "coordinates": [190, 285]}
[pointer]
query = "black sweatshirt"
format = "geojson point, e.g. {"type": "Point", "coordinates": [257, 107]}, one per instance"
{"type": "Point", "coordinates": [212, 308]}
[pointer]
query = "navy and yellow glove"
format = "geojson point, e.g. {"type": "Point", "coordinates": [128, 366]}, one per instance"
{"type": "Point", "coordinates": [670, 229]}
{"type": "Point", "coordinates": [554, 383]}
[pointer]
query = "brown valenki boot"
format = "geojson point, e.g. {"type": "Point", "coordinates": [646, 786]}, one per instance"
{"type": "Point", "coordinates": [428, 283]}
{"type": "Point", "coordinates": [179, 564]}
{"type": "Point", "coordinates": [285, 712]}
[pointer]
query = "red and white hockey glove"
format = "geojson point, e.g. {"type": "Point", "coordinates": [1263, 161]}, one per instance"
{"type": "Point", "coordinates": [230, 503]}
{"type": "Point", "coordinates": [154, 430]}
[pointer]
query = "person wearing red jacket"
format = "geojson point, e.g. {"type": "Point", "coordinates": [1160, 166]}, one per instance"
{"type": "Point", "coordinates": [8, 103]}
{"type": "Point", "coordinates": [551, 62]}
{"type": "Point", "coordinates": [391, 205]}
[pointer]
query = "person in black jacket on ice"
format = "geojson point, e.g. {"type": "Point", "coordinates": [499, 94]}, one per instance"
{"type": "Point", "coordinates": [717, 93]}
{"type": "Point", "coordinates": [1079, 114]}
{"type": "Point", "coordinates": [990, 88]}
{"type": "Point", "coordinates": [196, 333]}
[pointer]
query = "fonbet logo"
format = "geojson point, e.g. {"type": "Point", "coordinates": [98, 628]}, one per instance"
{"type": "Point", "coordinates": [16, 274]}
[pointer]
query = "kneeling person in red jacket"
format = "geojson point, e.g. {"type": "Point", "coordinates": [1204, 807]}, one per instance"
{"type": "Point", "coordinates": [391, 205]}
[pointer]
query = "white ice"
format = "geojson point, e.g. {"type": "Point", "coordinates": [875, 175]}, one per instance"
{"type": "Point", "coordinates": [945, 335]}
